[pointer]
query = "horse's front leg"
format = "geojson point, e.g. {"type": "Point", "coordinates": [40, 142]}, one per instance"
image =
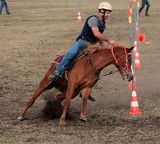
{"type": "Point", "coordinates": [85, 93]}
{"type": "Point", "coordinates": [69, 94]}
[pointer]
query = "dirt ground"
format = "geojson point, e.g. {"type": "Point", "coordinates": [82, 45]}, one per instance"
{"type": "Point", "coordinates": [32, 36]}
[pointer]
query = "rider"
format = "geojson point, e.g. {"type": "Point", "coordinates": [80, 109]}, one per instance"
{"type": "Point", "coordinates": [91, 33]}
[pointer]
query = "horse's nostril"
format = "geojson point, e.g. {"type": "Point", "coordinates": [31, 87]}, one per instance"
{"type": "Point", "coordinates": [130, 77]}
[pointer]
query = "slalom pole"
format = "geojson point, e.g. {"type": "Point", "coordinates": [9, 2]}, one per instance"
{"type": "Point", "coordinates": [130, 13]}
{"type": "Point", "coordinates": [136, 19]}
{"type": "Point", "coordinates": [134, 109]}
{"type": "Point", "coordinates": [130, 24]}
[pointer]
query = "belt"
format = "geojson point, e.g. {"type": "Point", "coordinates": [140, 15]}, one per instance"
{"type": "Point", "coordinates": [86, 40]}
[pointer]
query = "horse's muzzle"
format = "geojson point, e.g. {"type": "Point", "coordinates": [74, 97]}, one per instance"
{"type": "Point", "coordinates": [127, 76]}
{"type": "Point", "coordinates": [130, 77]}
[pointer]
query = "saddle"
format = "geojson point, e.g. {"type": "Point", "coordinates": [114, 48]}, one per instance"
{"type": "Point", "coordinates": [72, 62]}
{"type": "Point", "coordinates": [90, 50]}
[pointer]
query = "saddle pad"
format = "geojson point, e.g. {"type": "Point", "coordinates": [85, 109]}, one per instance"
{"type": "Point", "coordinates": [58, 59]}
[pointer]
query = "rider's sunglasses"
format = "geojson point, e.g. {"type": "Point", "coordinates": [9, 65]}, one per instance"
{"type": "Point", "coordinates": [104, 12]}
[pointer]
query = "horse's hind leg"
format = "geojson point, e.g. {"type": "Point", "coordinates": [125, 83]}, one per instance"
{"type": "Point", "coordinates": [85, 93]}
{"type": "Point", "coordinates": [44, 85]}
{"type": "Point", "coordinates": [41, 88]}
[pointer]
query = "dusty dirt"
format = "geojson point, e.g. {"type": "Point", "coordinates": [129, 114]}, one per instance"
{"type": "Point", "coordinates": [32, 36]}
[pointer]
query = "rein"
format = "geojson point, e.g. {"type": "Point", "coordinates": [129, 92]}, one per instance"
{"type": "Point", "coordinates": [117, 60]}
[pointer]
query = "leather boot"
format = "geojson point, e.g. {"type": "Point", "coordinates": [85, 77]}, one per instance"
{"type": "Point", "coordinates": [53, 77]}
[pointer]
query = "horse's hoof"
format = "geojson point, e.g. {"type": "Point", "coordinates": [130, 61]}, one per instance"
{"type": "Point", "coordinates": [62, 123]}
{"type": "Point", "coordinates": [20, 118]}
{"type": "Point", "coordinates": [83, 118]}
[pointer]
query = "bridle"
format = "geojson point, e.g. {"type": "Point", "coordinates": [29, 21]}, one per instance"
{"type": "Point", "coordinates": [125, 68]}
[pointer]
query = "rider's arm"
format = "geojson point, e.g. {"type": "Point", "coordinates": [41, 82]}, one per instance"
{"type": "Point", "coordinates": [93, 23]}
{"type": "Point", "coordinates": [99, 35]}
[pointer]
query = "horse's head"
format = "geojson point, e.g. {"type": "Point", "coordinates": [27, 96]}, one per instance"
{"type": "Point", "coordinates": [122, 57]}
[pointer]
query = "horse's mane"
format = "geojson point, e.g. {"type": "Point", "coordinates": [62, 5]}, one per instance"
{"type": "Point", "coordinates": [97, 48]}
{"type": "Point", "coordinates": [94, 48]}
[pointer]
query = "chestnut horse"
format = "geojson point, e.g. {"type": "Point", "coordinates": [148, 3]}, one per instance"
{"type": "Point", "coordinates": [83, 76]}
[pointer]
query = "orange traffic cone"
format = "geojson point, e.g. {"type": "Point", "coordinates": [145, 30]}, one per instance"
{"type": "Point", "coordinates": [79, 19]}
{"type": "Point", "coordinates": [135, 47]}
{"type": "Point", "coordinates": [137, 60]}
{"type": "Point", "coordinates": [136, 53]}
{"type": "Point", "coordinates": [134, 103]}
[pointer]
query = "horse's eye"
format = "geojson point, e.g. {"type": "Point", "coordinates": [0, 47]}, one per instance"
{"type": "Point", "coordinates": [129, 59]}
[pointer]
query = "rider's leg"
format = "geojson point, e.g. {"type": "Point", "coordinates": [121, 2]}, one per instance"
{"type": "Point", "coordinates": [60, 69]}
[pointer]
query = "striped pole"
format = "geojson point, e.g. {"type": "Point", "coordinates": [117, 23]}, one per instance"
{"type": "Point", "coordinates": [136, 17]}
{"type": "Point", "coordinates": [134, 109]}
{"type": "Point", "coordinates": [130, 24]}
{"type": "Point", "coordinates": [130, 12]}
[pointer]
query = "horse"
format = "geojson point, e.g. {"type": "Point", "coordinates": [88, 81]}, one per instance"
{"type": "Point", "coordinates": [83, 76]}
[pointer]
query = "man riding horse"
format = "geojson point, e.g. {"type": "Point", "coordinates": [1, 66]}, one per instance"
{"type": "Point", "coordinates": [91, 33]}
{"type": "Point", "coordinates": [85, 73]}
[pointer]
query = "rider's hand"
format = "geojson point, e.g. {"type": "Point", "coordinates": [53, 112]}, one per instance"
{"type": "Point", "coordinates": [111, 42]}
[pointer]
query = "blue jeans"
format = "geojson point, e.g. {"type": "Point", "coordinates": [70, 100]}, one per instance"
{"type": "Point", "coordinates": [71, 54]}
{"type": "Point", "coordinates": [4, 3]}
{"type": "Point", "coordinates": [143, 5]}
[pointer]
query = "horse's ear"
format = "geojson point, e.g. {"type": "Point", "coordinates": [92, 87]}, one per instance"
{"type": "Point", "coordinates": [130, 49]}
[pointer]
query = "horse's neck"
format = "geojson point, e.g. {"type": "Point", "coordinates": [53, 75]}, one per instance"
{"type": "Point", "coordinates": [103, 59]}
